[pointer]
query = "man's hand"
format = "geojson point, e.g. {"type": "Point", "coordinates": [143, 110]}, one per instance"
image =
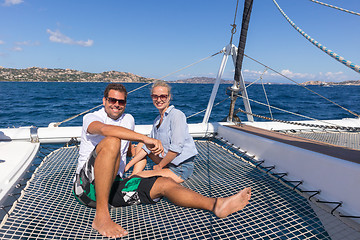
{"type": "Point", "coordinates": [154, 146]}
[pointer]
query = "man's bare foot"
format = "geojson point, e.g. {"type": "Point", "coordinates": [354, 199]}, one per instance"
{"type": "Point", "coordinates": [108, 228]}
{"type": "Point", "coordinates": [226, 206]}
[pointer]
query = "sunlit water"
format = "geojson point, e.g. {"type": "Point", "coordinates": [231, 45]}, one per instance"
{"type": "Point", "coordinates": [40, 103]}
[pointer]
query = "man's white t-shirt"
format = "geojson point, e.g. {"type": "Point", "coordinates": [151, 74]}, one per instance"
{"type": "Point", "coordinates": [89, 141]}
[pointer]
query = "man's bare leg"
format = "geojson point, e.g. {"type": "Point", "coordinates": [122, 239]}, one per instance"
{"type": "Point", "coordinates": [105, 170]}
{"type": "Point", "coordinates": [181, 196]}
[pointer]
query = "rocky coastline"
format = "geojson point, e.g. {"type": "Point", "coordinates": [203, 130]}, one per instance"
{"type": "Point", "coordinates": [36, 74]}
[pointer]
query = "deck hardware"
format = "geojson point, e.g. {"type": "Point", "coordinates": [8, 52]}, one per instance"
{"type": "Point", "coordinates": [34, 138]}
{"type": "Point", "coordinates": [73, 141]}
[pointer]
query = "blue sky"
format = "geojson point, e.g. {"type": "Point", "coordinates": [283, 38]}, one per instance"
{"type": "Point", "coordinates": [155, 38]}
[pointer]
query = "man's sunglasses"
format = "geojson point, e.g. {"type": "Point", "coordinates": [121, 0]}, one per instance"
{"type": "Point", "coordinates": [114, 100]}
{"type": "Point", "coordinates": [162, 97]}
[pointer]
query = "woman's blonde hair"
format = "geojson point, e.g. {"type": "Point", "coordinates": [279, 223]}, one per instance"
{"type": "Point", "coordinates": [161, 83]}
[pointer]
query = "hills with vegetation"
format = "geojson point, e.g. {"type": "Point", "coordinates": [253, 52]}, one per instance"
{"type": "Point", "coordinates": [201, 80]}
{"type": "Point", "coordinates": [36, 74]}
{"type": "Point", "coordinates": [321, 83]}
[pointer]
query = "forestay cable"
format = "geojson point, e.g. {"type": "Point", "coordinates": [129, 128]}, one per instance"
{"type": "Point", "coordinates": [349, 64]}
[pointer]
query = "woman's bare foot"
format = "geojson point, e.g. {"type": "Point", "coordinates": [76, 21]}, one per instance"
{"type": "Point", "coordinates": [108, 228]}
{"type": "Point", "coordinates": [226, 206]}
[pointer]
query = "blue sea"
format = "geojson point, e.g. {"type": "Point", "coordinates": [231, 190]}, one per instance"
{"type": "Point", "coordinates": [40, 103]}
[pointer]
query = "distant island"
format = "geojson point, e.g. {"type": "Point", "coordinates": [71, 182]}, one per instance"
{"type": "Point", "coordinates": [201, 80]}
{"type": "Point", "coordinates": [321, 83]}
{"type": "Point", "coordinates": [36, 74]}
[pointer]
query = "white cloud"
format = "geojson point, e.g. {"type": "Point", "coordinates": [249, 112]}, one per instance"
{"type": "Point", "coordinates": [333, 76]}
{"type": "Point", "coordinates": [2, 42]}
{"type": "Point", "coordinates": [299, 76]}
{"type": "Point", "coordinates": [18, 46]}
{"type": "Point", "coordinates": [270, 76]}
{"type": "Point", "coordinates": [17, 49]}
{"type": "Point", "coordinates": [58, 37]}
{"type": "Point", "coordinates": [12, 2]}
{"type": "Point", "coordinates": [27, 43]}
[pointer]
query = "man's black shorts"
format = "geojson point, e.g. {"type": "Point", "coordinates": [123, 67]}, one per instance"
{"type": "Point", "coordinates": [124, 191]}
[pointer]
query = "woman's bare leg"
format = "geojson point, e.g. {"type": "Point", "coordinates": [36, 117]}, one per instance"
{"type": "Point", "coordinates": [165, 172]}
{"type": "Point", "coordinates": [139, 166]}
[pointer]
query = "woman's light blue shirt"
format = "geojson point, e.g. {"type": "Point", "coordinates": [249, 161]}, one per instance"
{"type": "Point", "coordinates": [174, 135]}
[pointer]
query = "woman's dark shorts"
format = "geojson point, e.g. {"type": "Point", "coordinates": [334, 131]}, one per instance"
{"type": "Point", "coordinates": [124, 191]}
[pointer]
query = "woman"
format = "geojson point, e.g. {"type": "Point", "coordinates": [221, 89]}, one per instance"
{"type": "Point", "coordinates": [171, 129]}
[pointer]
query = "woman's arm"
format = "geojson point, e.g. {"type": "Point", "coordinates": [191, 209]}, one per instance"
{"type": "Point", "coordinates": [166, 160]}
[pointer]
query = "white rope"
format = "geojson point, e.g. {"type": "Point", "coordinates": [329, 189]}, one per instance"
{"type": "Point", "coordinates": [347, 63]}
{"type": "Point", "coordinates": [338, 8]}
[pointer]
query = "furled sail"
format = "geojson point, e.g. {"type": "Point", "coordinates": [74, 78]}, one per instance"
{"type": "Point", "coordinates": [240, 54]}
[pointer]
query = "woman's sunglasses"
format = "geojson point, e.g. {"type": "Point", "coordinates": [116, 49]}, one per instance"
{"type": "Point", "coordinates": [162, 97]}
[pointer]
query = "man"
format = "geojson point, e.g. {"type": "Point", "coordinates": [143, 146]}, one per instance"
{"type": "Point", "coordinates": [99, 183]}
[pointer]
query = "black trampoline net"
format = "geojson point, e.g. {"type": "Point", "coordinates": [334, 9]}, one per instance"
{"type": "Point", "coordinates": [48, 210]}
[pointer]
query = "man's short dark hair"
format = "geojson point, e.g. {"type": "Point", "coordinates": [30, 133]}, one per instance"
{"type": "Point", "coordinates": [115, 86]}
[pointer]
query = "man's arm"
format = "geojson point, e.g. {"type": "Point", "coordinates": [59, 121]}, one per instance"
{"type": "Point", "coordinates": [106, 130]}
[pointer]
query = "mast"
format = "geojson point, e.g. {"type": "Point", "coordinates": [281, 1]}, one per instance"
{"type": "Point", "coordinates": [239, 84]}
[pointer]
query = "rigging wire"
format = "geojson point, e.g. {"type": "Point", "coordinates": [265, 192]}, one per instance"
{"type": "Point", "coordinates": [233, 30]}
{"type": "Point", "coordinates": [338, 8]}
{"type": "Point", "coordinates": [205, 108]}
{"type": "Point", "coordinates": [262, 84]}
{"type": "Point", "coordinates": [347, 63]}
{"type": "Point", "coordinates": [355, 114]}
{"type": "Point", "coordinates": [286, 111]}
{"type": "Point", "coordinates": [82, 113]}
{"type": "Point", "coordinates": [335, 126]}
